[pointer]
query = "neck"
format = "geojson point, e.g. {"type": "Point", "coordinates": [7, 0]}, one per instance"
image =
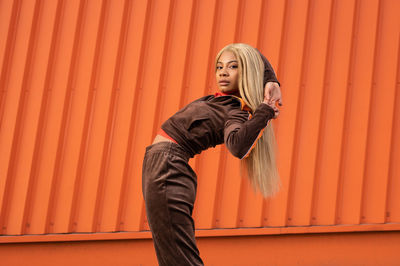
{"type": "Point", "coordinates": [236, 93]}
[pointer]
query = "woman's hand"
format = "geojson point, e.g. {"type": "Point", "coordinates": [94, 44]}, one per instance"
{"type": "Point", "coordinates": [272, 94]}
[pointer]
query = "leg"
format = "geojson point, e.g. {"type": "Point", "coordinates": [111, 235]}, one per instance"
{"type": "Point", "coordinates": [169, 187]}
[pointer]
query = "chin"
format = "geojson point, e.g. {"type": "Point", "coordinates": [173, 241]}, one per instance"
{"type": "Point", "coordinates": [226, 90]}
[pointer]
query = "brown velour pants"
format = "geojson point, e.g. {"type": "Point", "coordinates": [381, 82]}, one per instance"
{"type": "Point", "coordinates": [169, 190]}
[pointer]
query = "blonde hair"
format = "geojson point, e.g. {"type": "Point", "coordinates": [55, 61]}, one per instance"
{"type": "Point", "coordinates": [261, 163]}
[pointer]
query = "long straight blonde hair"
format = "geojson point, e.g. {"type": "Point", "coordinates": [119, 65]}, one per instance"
{"type": "Point", "coordinates": [261, 163]}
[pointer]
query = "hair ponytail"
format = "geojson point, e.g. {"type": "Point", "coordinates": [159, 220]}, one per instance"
{"type": "Point", "coordinates": [261, 163]}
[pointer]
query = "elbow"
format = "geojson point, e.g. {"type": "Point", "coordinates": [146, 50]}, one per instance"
{"type": "Point", "coordinates": [238, 153]}
{"type": "Point", "coordinates": [237, 145]}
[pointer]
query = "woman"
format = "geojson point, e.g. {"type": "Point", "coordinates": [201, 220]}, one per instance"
{"type": "Point", "coordinates": [237, 116]}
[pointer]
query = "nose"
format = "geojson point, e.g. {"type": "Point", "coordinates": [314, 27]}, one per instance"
{"type": "Point", "coordinates": [223, 72]}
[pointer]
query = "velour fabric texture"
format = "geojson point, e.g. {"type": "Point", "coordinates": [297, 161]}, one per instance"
{"type": "Point", "coordinates": [210, 121]}
{"type": "Point", "coordinates": [169, 189]}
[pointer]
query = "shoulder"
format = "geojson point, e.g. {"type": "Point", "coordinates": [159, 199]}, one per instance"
{"type": "Point", "coordinates": [204, 98]}
{"type": "Point", "coordinates": [229, 102]}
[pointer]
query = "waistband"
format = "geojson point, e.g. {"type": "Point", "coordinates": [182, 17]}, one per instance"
{"type": "Point", "coordinates": [170, 148]}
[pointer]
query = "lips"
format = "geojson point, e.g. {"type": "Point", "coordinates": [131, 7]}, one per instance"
{"type": "Point", "coordinates": [223, 82]}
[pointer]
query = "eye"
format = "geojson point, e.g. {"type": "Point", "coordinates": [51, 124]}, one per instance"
{"type": "Point", "coordinates": [219, 67]}
{"type": "Point", "coordinates": [234, 66]}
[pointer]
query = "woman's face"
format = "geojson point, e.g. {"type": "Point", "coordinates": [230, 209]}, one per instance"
{"type": "Point", "coordinates": [227, 73]}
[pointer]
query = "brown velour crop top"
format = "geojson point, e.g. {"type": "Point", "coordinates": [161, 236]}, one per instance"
{"type": "Point", "coordinates": [213, 120]}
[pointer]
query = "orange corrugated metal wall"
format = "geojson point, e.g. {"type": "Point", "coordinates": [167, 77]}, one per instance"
{"type": "Point", "coordinates": [84, 86]}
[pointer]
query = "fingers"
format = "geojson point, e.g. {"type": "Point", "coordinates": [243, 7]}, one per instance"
{"type": "Point", "coordinates": [277, 100]}
{"type": "Point", "coordinates": [274, 100]}
{"type": "Point", "coordinates": [267, 98]}
{"type": "Point", "coordinates": [272, 94]}
{"type": "Point", "coordinates": [276, 112]}
{"type": "Point", "coordinates": [268, 90]}
{"type": "Point", "coordinates": [275, 108]}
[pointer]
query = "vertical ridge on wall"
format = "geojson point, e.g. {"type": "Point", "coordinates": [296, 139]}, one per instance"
{"type": "Point", "coordinates": [12, 210]}
{"type": "Point", "coordinates": [310, 100]}
{"type": "Point", "coordinates": [334, 114]}
{"type": "Point", "coordinates": [275, 208]}
{"type": "Point", "coordinates": [327, 69]}
{"type": "Point", "coordinates": [298, 13]}
{"type": "Point", "coordinates": [380, 130]}
{"type": "Point", "coordinates": [55, 197]}
{"type": "Point", "coordinates": [9, 45]}
{"type": "Point", "coordinates": [85, 85]}
{"type": "Point", "coordinates": [101, 221]}
{"type": "Point", "coordinates": [350, 83]}
{"type": "Point", "coordinates": [189, 53]}
{"type": "Point", "coordinates": [357, 113]}
{"type": "Point", "coordinates": [292, 195]}
{"type": "Point", "coordinates": [78, 204]}
{"type": "Point", "coordinates": [6, 183]}
{"type": "Point", "coordinates": [366, 186]}
{"type": "Point", "coordinates": [30, 225]}
{"type": "Point", "coordinates": [123, 216]}
{"type": "Point", "coordinates": [392, 211]}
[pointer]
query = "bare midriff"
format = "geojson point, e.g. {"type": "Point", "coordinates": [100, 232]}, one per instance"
{"type": "Point", "coordinates": [160, 138]}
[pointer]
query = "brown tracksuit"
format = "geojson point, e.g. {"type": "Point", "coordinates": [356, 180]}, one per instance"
{"type": "Point", "coordinates": [169, 183]}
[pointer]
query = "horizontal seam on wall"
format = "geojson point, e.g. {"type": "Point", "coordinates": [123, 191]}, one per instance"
{"type": "Point", "coordinates": [224, 232]}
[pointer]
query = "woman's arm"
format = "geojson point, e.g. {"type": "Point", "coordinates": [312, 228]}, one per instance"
{"type": "Point", "coordinates": [242, 132]}
{"type": "Point", "coordinates": [271, 84]}
{"type": "Point", "coordinates": [269, 73]}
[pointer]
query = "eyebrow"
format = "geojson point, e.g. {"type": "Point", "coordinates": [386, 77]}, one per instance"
{"type": "Point", "coordinates": [232, 61]}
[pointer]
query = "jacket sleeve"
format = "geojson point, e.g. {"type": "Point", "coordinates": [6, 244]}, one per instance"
{"type": "Point", "coordinates": [269, 73]}
{"type": "Point", "coordinates": [242, 131]}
